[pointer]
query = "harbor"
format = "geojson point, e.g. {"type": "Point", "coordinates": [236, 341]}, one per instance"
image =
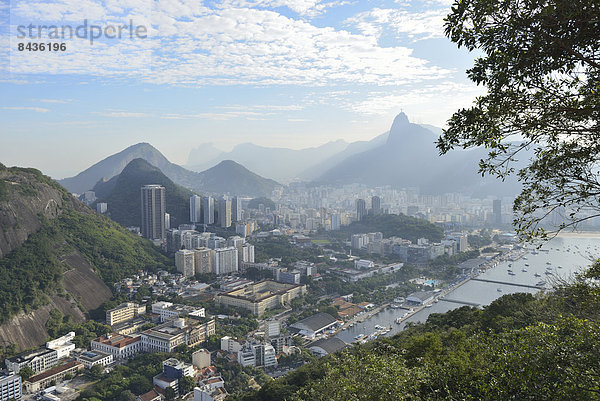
{"type": "Point", "coordinates": [533, 270]}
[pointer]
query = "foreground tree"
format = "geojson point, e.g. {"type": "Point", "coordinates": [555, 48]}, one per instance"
{"type": "Point", "coordinates": [541, 65]}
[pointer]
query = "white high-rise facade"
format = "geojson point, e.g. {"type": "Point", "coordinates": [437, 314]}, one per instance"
{"type": "Point", "coordinates": [153, 211]}
{"type": "Point", "coordinates": [195, 209]}
{"type": "Point", "coordinates": [209, 210]}
{"type": "Point", "coordinates": [225, 212]}
{"type": "Point", "coordinates": [226, 260]}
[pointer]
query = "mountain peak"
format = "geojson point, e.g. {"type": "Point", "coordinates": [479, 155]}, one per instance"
{"type": "Point", "coordinates": [400, 120]}
{"type": "Point", "coordinates": [139, 164]}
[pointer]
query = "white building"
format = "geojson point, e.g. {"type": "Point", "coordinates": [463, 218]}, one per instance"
{"type": "Point", "coordinates": [168, 310]}
{"type": "Point", "coordinates": [257, 355]}
{"type": "Point", "coordinates": [201, 394]}
{"type": "Point", "coordinates": [246, 253]}
{"type": "Point", "coordinates": [92, 358]}
{"type": "Point", "coordinates": [364, 264]}
{"type": "Point", "coordinates": [184, 261]}
{"type": "Point", "coordinates": [226, 260]}
{"type": "Point", "coordinates": [201, 358]}
{"type": "Point", "coordinates": [230, 345]}
{"type": "Point", "coordinates": [101, 207]}
{"type": "Point", "coordinates": [63, 345]}
{"type": "Point", "coordinates": [10, 386]}
{"type": "Point", "coordinates": [195, 209]}
{"type": "Point", "coordinates": [121, 347]}
{"type": "Point", "coordinates": [209, 210]}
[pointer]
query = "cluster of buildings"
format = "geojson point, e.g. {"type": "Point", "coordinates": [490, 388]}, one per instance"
{"type": "Point", "coordinates": [49, 364]}
{"type": "Point", "coordinates": [156, 221]}
{"type": "Point", "coordinates": [363, 269]}
{"type": "Point", "coordinates": [161, 283]}
{"type": "Point", "coordinates": [210, 386]}
{"type": "Point", "coordinates": [408, 252]}
{"type": "Point", "coordinates": [176, 325]}
{"type": "Point", "coordinates": [304, 207]}
{"type": "Point", "coordinates": [261, 296]}
{"type": "Point", "coordinates": [208, 253]}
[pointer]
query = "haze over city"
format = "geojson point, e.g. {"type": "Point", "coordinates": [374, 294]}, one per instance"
{"type": "Point", "coordinates": [286, 73]}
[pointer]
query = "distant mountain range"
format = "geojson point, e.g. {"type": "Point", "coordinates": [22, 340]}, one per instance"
{"type": "Point", "coordinates": [226, 177]}
{"type": "Point", "coordinates": [409, 158]}
{"type": "Point", "coordinates": [122, 194]}
{"type": "Point", "coordinates": [113, 165]}
{"type": "Point", "coordinates": [405, 156]}
{"type": "Point", "coordinates": [281, 164]}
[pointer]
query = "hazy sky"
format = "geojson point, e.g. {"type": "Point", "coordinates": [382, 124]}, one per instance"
{"type": "Point", "coordinates": [286, 73]}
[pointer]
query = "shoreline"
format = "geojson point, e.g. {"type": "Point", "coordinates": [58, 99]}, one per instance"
{"type": "Point", "coordinates": [584, 234]}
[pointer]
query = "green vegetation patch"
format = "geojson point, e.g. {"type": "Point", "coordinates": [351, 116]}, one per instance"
{"type": "Point", "coordinates": [253, 204]}
{"type": "Point", "coordinates": [393, 225]}
{"type": "Point", "coordinates": [3, 191]}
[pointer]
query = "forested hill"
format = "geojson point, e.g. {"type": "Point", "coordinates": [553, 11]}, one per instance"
{"type": "Point", "coordinates": [122, 194]}
{"type": "Point", "coordinates": [57, 250]}
{"type": "Point", "coordinates": [520, 347]}
{"type": "Point", "coordinates": [393, 225]}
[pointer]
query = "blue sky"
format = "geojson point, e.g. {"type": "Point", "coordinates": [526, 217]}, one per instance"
{"type": "Point", "coordinates": [286, 73]}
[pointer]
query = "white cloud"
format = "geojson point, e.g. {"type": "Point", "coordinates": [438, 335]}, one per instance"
{"type": "Point", "coordinates": [19, 108]}
{"type": "Point", "coordinates": [432, 104]}
{"type": "Point", "coordinates": [122, 114]}
{"type": "Point", "coordinates": [59, 101]}
{"type": "Point", "coordinates": [193, 45]}
{"type": "Point", "coordinates": [416, 25]}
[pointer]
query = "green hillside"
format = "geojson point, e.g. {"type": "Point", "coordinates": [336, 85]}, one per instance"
{"type": "Point", "coordinates": [122, 194]}
{"type": "Point", "coordinates": [403, 226]}
{"type": "Point", "coordinates": [520, 347]}
{"type": "Point", "coordinates": [32, 271]}
{"type": "Point", "coordinates": [255, 202]}
{"type": "Point", "coordinates": [229, 177]}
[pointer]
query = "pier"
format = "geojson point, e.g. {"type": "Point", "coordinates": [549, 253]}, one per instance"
{"type": "Point", "coordinates": [456, 301]}
{"type": "Point", "coordinates": [506, 283]}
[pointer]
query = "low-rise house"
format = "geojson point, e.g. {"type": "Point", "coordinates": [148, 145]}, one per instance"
{"type": "Point", "coordinates": [151, 395]}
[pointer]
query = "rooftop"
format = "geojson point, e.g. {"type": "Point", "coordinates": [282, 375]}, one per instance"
{"type": "Point", "coordinates": [329, 345]}
{"type": "Point", "coordinates": [117, 340]}
{"type": "Point", "coordinates": [53, 371]}
{"type": "Point", "coordinates": [316, 322]}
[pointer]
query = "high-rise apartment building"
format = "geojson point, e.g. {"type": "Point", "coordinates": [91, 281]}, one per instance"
{"type": "Point", "coordinates": [204, 260]}
{"type": "Point", "coordinates": [209, 210]}
{"type": "Point", "coordinates": [497, 209]}
{"type": "Point", "coordinates": [225, 212]}
{"type": "Point", "coordinates": [236, 209]}
{"type": "Point", "coordinates": [195, 209]}
{"type": "Point", "coordinates": [361, 209]}
{"type": "Point", "coordinates": [184, 261]}
{"type": "Point", "coordinates": [376, 205]}
{"type": "Point", "coordinates": [335, 221]}
{"type": "Point", "coordinates": [153, 211]}
{"type": "Point", "coordinates": [226, 260]}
